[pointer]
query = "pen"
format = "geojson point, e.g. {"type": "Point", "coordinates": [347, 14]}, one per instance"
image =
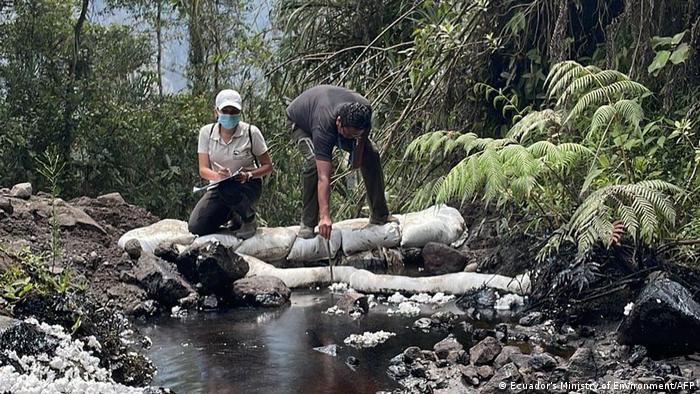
{"type": "Point", "coordinates": [219, 165]}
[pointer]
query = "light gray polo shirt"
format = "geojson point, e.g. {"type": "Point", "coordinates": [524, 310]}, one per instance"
{"type": "Point", "coordinates": [238, 152]}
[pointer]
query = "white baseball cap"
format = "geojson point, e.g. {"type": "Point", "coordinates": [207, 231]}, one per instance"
{"type": "Point", "coordinates": [229, 97]}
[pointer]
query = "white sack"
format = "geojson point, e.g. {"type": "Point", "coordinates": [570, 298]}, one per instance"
{"type": "Point", "coordinates": [225, 237]}
{"type": "Point", "coordinates": [357, 235]}
{"type": "Point", "coordinates": [166, 230]}
{"type": "Point", "coordinates": [438, 223]}
{"type": "Point", "coordinates": [367, 282]}
{"type": "Point", "coordinates": [314, 249]}
{"type": "Point", "coordinates": [270, 244]}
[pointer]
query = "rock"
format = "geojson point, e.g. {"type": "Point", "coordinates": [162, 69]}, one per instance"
{"type": "Point", "coordinates": [411, 354]}
{"type": "Point", "coordinates": [445, 320]}
{"type": "Point", "coordinates": [267, 291]}
{"type": "Point", "coordinates": [447, 346]}
{"type": "Point", "coordinates": [160, 280]}
{"type": "Point", "coordinates": [581, 365]}
{"type": "Point", "coordinates": [478, 299]}
{"type": "Point", "coordinates": [422, 324]}
{"type": "Point", "coordinates": [522, 361]}
{"type": "Point", "coordinates": [189, 301]}
{"type": "Point", "coordinates": [531, 319]}
{"type": "Point", "coordinates": [352, 362]}
{"type": "Point", "coordinates": [213, 265]}
{"type": "Point", "coordinates": [21, 190]}
{"type": "Point", "coordinates": [502, 379]}
{"type": "Point", "coordinates": [470, 374]}
{"type": "Point", "coordinates": [484, 372]}
{"type": "Point", "coordinates": [638, 354]}
{"type": "Point", "coordinates": [543, 362]}
{"type": "Point", "coordinates": [133, 249]}
{"type": "Point", "coordinates": [441, 259]}
{"type": "Point", "coordinates": [503, 357]}
{"type": "Point", "coordinates": [664, 318]}
{"type": "Point", "coordinates": [352, 301]}
{"type": "Point", "coordinates": [397, 372]}
{"type": "Point", "coordinates": [210, 302]}
{"type": "Point", "coordinates": [166, 251]}
{"type": "Point", "coordinates": [7, 322]}
{"type": "Point", "coordinates": [485, 351]}
{"type": "Point", "coordinates": [6, 205]}
{"type": "Point", "coordinates": [27, 340]}
{"type": "Point", "coordinates": [111, 199]}
{"type": "Point", "coordinates": [146, 308]}
{"type": "Point", "coordinates": [471, 267]}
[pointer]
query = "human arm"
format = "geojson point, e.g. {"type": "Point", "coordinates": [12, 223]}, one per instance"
{"type": "Point", "coordinates": [207, 173]}
{"type": "Point", "coordinates": [265, 168]}
{"type": "Point", "coordinates": [325, 223]}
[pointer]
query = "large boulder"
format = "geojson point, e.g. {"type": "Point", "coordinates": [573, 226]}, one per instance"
{"type": "Point", "coordinates": [214, 266]}
{"type": "Point", "coordinates": [446, 347]}
{"type": "Point", "coordinates": [582, 365]}
{"type": "Point", "coordinates": [441, 259]}
{"type": "Point", "coordinates": [664, 318]}
{"type": "Point", "coordinates": [160, 280]}
{"type": "Point", "coordinates": [21, 190]}
{"type": "Point", "coordinates": [352, 301]}
{"type": "Point", "coordinates": [266, 291]}
{"type": "Point", "coordinates": [485, 351]}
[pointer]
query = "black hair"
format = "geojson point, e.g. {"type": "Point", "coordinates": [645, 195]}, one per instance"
{"type": "Point", "coordinates": [355, 115]}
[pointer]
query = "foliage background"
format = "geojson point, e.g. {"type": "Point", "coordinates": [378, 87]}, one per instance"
{"type": "Point", "coordinates": [95, 92]}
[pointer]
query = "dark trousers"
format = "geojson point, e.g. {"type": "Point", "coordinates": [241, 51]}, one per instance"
{"type": "Point", "coordinates": [217, 205]}
{"type": "Point", "coordinates": [372, 175]}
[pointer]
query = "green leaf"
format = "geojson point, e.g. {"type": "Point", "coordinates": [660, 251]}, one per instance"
{"type": "Point", "coordinates": [680, 54]}
{"type": "Point", "coordinates": [659, 61]}
{"type": "Point", "coordinates": [658, 41]}
{"type": "Point", "coordinates": [677, 38]}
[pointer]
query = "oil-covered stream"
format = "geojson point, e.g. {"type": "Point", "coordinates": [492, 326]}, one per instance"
{"type": "Point", "coordinates": [272, 350]}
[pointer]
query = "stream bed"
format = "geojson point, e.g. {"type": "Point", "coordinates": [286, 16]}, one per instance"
{"type": "Point", "coordinates": [272, 350]}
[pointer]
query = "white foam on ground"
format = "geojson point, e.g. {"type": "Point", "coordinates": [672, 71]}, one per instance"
{"type": "Point", "coordinates": [338, 287]}
{"type": "Point", "coordinates": [368, 339]}
{"type": "Point", "coordinates": [509, 301]}
{"type": "Point", "coordinates": [406, 308]}
{"type": "Point", "coordinates": [396, 298]}
{"type": "Point", "coordinates": [334, 310]}
{"type": "Point", "coordinates": [425, 298]}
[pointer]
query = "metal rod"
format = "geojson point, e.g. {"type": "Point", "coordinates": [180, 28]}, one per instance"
{"type": "Point", "coordinates": [330, 261]}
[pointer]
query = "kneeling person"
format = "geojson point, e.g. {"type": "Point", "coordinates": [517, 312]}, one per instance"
{"type": "Point", "coordinates": [225, 147]}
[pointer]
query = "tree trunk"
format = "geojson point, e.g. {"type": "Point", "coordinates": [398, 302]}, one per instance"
{"type": "Point", "coordinates": [196, 54]}
{"type": "Point", "coordinates": [160, 48]}
{"type": "Point", "coordinates": [557, 44]}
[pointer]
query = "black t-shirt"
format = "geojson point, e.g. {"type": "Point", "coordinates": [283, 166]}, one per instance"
{"type": "Point", "coordinates": [315, 111]}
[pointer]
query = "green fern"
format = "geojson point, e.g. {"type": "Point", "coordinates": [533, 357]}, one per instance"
{"type": "Point", "coordinates": [644, 208]}
{"type": "Point", "coordinates": [591, 86]}
{"type": "Point", "coordinates": [508, 172]}
{"type": "Point", "coordinates": [538, 121]}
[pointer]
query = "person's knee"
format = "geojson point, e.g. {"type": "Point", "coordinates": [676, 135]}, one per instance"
{"type": "Point", "coordinates": [198, 227]}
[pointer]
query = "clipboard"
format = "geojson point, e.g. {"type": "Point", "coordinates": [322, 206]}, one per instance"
{"type": "Point", "coordinates": [214, 184]}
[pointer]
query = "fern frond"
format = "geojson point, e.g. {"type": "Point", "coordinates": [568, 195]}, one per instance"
{"type": "Point", "coordinates": [602, 117]}
{"type": "Point", "coordinates": [644, 208]}
{"type": "Point", "coordinates": [621, 89]}
{"type": "Point", "coordinates": [534, 121]}
{"type": "Point", "coordinates": [631, 111]}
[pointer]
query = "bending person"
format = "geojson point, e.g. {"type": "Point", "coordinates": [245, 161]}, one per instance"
{"type": "Point", "coordinates": [225, 147]}
{"type": "Point", "coordinates": [323, 117]}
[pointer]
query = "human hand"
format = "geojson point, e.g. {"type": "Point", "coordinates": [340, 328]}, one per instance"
{"type": "Point", "coordinates": [223, 173]}
{"type": "Point", "coordinates": [325, 225]}
{"type": "Point", "coordinates": [243, 177]}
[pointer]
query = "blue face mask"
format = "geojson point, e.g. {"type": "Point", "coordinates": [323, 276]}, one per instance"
{"type": "Point", "coordinates": [229, 121]}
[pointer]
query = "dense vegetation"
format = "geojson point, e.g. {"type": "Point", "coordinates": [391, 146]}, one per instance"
{"type": "Point", "coordinates": [576, 119]}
